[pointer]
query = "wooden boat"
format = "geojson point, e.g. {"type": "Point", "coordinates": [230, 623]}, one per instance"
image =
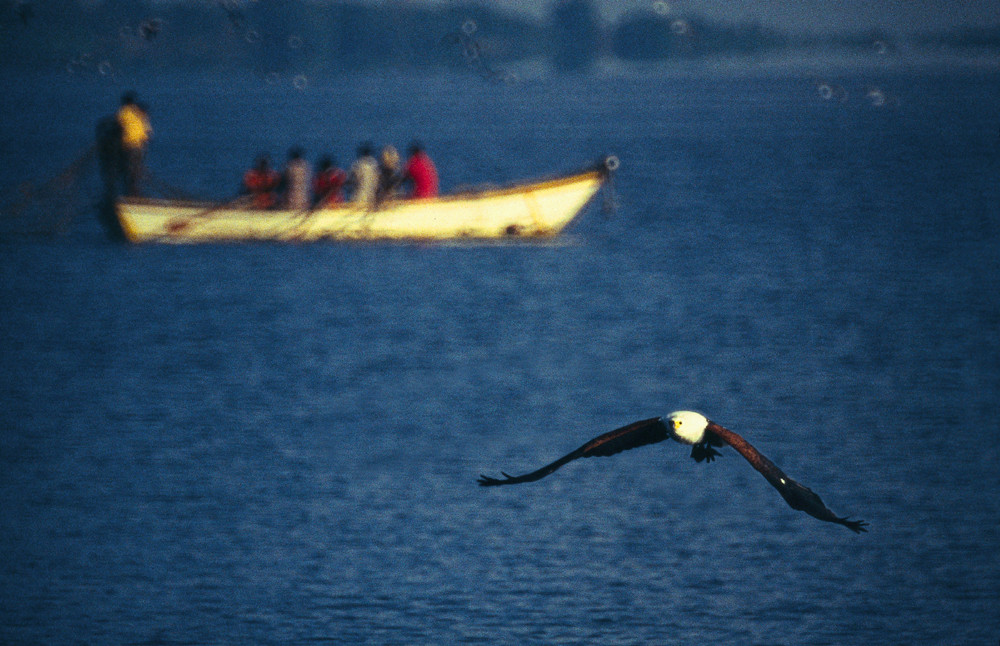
{"type": "Point", "coordinates": [540, 208]}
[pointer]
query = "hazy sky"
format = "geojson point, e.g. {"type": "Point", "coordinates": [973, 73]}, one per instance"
{"type": "Point", "coordinates": [814, 15]}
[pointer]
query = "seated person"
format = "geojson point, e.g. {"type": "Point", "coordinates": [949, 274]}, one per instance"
{"type": "Point", "coordinates": [328, 185]}
{"type": "Point", "coordinates": [364, 178]}
{"type": "Point", "coordinates": [390, 177]}
{"type": "Point", "coordinates": [297, 181]}
{"type": "Point", "coordinates": [420, 171]}
{"type": "Point", "coordinates": [262, 183]}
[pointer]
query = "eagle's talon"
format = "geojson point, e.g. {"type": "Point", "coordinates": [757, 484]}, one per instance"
{"type": "Point", "coordinates": [703, 452]}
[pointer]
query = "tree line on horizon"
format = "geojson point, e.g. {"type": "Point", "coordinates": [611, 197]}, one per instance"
{"type": "Point", "coordinates": [294, 35]}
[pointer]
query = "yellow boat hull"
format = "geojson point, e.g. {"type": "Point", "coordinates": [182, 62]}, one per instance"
{"type": "Point", "coordinates": [536, 209]}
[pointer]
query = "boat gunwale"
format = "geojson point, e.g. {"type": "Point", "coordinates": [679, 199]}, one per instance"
{"type": "Point", "coordinates": [472, 193]}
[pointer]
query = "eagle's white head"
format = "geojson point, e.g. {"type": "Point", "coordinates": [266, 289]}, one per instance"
{"type": "Point", "coordinates": [687, 427]}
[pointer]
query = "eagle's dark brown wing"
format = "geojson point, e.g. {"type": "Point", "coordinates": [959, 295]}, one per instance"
{"type": "Point", "coordinates": [797, 496]}
{"type": "Point", "coordinates": [648, 431]}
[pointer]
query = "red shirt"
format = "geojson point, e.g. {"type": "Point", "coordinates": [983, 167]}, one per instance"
{"type": "Point", "coordinates": [262, 184]}
{"type": "Point", "coordinates": [327, 186]}
{"type": "Point", "coordinates": [420, 169]}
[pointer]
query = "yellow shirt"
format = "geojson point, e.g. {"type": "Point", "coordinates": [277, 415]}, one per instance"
{"type": "Point", "coordinates": [135, 126]}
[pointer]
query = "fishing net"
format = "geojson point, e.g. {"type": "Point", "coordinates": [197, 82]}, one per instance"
{"type": "Point", "coordinates": [49, 208]}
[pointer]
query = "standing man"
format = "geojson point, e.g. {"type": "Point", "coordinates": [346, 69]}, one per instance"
{"type": "Point", "coordinates": [136, 131]}
{"type": "Point", "coordinates": [421, 172]}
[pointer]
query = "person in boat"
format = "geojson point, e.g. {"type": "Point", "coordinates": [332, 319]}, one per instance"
{"type": "Point", "coordinates": [390, 175]}
{"type": "Point", "coordinates": [296, 182]}
{"type": "Point", "coordinates": [421, 173]}
{"type": "Point", "coordinates": [109, 154]}
{"type": "Point", "coordinates": [364, 177]}
{"type": "Point", "coordinates": [328, 185]}
{"type": "Point", "coordinates": [262, 183]}
{"type": "Point", "coordinates": [133, 119]}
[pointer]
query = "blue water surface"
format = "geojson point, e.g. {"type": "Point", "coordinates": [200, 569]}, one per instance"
{"type": "Point", "coordinates": [274, 443]}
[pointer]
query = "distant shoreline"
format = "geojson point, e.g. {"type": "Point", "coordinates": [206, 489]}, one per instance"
{"type": "Point", "coordinates": [319, 39]}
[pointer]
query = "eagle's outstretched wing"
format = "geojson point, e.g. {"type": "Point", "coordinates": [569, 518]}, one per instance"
{"type": "Point", "coordinates": [797, 495]}
{"type": "Point", "coordinates": [648, 431]}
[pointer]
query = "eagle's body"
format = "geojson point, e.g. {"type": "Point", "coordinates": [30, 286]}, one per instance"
{"type": "Point", "coordinates": [703, 435]}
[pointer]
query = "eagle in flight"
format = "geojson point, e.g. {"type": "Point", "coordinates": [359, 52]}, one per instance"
{"type": "Point", "coordinates": [703, 436]}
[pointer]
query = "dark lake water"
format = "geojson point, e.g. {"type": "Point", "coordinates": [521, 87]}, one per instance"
{"type": "Point", "coordinates": [276, 443]}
